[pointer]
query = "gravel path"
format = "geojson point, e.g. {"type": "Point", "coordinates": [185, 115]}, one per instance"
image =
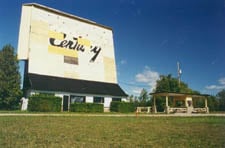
{"type": "Point", "coordinates": [111, 115]}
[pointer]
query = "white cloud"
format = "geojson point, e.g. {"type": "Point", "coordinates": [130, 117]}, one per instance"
{"type": "Point", "coordinates": [222, 81]}
{"type": "Point", "coordinates": [136, 90]}
{"type": "Point", "coordinates": [221, 85]}
{"type": "Point", "coordinates": [148, 76]}
{"type": "Point", "coordinates": [211, 87]}
{"type": "Point", "coordinates": [215, 87]}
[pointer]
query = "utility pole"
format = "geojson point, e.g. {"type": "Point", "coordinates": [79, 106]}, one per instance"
{"type": "Point", "coordinates": [179, 73]}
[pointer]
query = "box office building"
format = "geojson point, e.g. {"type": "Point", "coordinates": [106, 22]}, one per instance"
{"type": "Point", "coordinates": [68, 56]}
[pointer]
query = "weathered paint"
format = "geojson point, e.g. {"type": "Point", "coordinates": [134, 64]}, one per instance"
{"type": "Point", "coordinates": [58, 44]}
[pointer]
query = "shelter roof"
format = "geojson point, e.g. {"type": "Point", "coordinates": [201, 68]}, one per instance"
{"type": "Point", "coordinates": [175, 94]}
{"type": "Point", "coordinates": [51, 83]}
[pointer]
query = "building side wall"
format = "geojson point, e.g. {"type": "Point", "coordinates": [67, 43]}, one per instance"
{"type": "Point", "coordinates": [72, 48]}
{"type": "Point", "coordinates": [23, 42]}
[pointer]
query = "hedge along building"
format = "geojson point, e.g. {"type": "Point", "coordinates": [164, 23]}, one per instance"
{"type": "Point", "coordinates": [67, 56]}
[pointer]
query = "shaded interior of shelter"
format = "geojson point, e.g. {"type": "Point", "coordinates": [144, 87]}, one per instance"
{"type": "Point", "coordinates": [180, 102]}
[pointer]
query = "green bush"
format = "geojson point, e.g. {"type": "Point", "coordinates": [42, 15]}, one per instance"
{"type": "Point", "coordinates": [78, 107]}
{"type": "Point", "coordinates": [95, 107]}
{"type": "Point", "coordinates": [114, 106]}
{"type": "Point", "coordinates": [122, 107]}
{"type": "Point", "coordinates": [9, 103]}
{"type": "Point", "coordinates": [86, 107]}
{"type": "Point", "coordinates": [44, 103]}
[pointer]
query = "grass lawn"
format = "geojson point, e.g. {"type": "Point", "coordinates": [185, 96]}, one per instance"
{"type": "Point", "coordinates": [81, 131]}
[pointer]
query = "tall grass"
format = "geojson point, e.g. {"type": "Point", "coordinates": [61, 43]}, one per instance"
{"type": "Point", "coordinates": [81, 131]}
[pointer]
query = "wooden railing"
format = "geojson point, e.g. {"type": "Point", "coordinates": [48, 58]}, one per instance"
{"type": "Point", "coordinates": [146, 109]}
{"type": "Point", "coordinates": [178, 110]}
{"type": "Point", "coordinates": [199, 110]}
{"type": "Point", "coordinates": [185, 110]}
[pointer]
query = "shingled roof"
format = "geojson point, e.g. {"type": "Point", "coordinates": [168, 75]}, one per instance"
{"type": "Point", "coordinates": [50, 83]}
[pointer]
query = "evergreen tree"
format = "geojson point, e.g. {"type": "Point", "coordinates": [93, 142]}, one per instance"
{"type": "Point", "coordinates": [143, 96]}
{"type": "Point", "coordinates": [10, 91]}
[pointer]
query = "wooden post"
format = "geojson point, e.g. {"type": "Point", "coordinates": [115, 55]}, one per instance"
{"type": "Point", "coordinates": [167, 106]}
{"type": "Point", "coordinates": [185, 101]}
{"type": "Point", "coordinates": [206, 106]}
{"type": "Point", "coordinates": [166, 101]}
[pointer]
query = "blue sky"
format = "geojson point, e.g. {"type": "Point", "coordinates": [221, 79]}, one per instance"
{"type": "Point", "coordinates": [150, 36]}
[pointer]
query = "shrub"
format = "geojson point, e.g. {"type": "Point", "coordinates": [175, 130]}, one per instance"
{"type": "Point", "coordinates": [122, 107]}
{"type": "Point", "coordinates": [114, 105]}
{"type": "Point", "coordinates": [86, 107]}
{"type": "Point", "coordinates": [9, 103]}
{"type": "Point", "coordinates": [78, 107]}
{"type": "Point", "coordinates": [95, 107]}
{"type": "Point", "coordinates": [44, 103]}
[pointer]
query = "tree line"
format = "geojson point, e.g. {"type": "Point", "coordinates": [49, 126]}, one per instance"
{"type": "Point", "coordinates": [11, 92]}
{"type": "Point", "coordinates": [167, 83]}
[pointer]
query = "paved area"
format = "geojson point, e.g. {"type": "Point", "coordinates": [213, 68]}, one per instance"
{"type": "Point", "coordinates": [111, 115]}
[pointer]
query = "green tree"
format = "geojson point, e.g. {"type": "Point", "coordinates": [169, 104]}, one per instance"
{"type": "Point", "coordinates": [213, 103]}
{"type": "Point", "coordinates": [10, 91]}
{"type": "Point", "coordinates": [221, 98]}
{"type": "Point", "coordinates": [143, 95]}
{"type": "Point", "coordinates": [131, 98]}
{"type": "Point", "coordinates": [143, 99]}
{"type": "Point", "coordinates": [170, 84]}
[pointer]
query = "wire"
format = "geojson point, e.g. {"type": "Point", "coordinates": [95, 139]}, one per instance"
{"type": "Point", "coordinates": [131, 84]}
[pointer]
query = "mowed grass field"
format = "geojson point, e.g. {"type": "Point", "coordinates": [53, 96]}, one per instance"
{"type": "Point", "coordinates": [84, 131]}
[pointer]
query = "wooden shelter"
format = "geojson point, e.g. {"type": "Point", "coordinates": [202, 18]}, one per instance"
{"type": "Point", "coordinates": [185, 98]}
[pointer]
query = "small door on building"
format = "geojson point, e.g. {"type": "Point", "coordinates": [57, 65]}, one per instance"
{"type": "Point", "coordinates": [65, 103]}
